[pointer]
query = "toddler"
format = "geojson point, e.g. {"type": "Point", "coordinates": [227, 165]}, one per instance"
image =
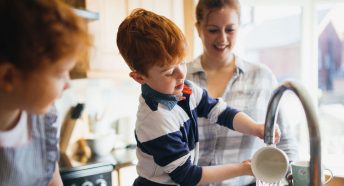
{"type": "Point", "coordinates": [40, 41]}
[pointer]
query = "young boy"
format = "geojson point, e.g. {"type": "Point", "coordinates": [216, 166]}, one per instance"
{"type": "Point", "coordinates": [166, 129]}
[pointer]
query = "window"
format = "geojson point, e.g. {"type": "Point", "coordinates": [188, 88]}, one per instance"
{"type": "Point", "coordinates": [272, 35]}
{"type": "Point", "coordinates": [303, 42]}
{"type": "Point", "coordinates": [331, 82]}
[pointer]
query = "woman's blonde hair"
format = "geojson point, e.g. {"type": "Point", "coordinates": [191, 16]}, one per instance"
{"type": "Point", "coordinates": [211, 5]}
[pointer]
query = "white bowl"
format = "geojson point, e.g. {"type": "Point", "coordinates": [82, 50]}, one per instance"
{"type": "Point", "coordinates": [102, 145]}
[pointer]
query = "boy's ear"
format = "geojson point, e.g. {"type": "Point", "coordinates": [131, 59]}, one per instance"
{"type": "Point", "coordinates": [7, 76]}
{"type": "Point", "coordinates": [137, 77]}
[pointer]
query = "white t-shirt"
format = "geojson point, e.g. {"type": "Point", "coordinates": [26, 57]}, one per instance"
{"type": "Point", "coordinates": [18, 135]}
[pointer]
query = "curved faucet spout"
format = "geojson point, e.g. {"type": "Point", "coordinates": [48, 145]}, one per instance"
{"type": "Point", "coordinates": [313, 126]}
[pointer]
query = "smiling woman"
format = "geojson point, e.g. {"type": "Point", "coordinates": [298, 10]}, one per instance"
{"type": "Point", "coordinates": [231, 77]}
{"type": "Point", "coordinates": [295, 44]}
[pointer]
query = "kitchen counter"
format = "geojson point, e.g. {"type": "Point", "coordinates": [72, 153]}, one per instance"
{"type": "Point", "coordinates": [98, 169]}
{"type": "Point", "coordinates": [119, 157]}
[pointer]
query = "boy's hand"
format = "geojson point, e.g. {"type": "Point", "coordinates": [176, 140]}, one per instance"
{"type": "Point", "coordinates": [261, 131]}
{"type": "Point", "coordinates": [277, 133]}
{"type": "Point", "coordinates": [247, 164]}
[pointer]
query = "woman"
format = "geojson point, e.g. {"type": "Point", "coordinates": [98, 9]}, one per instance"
{"type": "Point", "coordinates": [243, 85]}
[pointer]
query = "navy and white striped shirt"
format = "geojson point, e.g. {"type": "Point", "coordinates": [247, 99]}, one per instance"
{"type": "Point", "coordinates": [167, 133]}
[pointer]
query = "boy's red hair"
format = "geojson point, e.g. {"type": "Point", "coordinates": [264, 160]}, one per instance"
{"type": "Point", "coordinates": [146, 39]}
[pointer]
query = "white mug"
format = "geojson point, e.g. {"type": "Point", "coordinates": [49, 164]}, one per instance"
{"type": "Point", "coordinates": [270, 164]}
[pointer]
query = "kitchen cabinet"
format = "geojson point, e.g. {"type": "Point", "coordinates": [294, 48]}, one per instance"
{"type": "Point", "coordinates": [104, 58]}
{"type": "Point", "coordinates": [126, 175]}
{"type": "Point", "coordinates": [79, 8]}
{"type": "Point", "coordinates": [114, 175]}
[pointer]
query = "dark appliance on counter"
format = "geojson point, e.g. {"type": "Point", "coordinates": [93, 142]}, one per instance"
{"type": "Point", "coordinates": [98, 174]}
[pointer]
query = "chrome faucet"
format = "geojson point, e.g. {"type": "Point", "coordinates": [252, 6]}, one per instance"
{"type": "Point", "coordinates": [313, 129]}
